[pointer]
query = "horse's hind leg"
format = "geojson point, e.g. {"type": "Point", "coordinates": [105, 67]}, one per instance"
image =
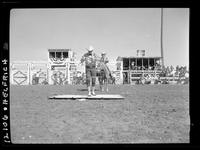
{"type": "Point", "coordinates": [101, 85]}
{"type": "Point", "coordinates": [102, 88]}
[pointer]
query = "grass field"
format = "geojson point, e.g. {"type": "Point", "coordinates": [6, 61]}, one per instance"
{"type": "Point", "coordinates": [148, 114]}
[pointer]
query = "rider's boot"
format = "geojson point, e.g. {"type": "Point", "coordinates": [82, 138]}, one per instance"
{"type": "Point", "coordinates": [93, 89]}
{"type": "Point", "coordinates": [101, 88]}
{"type": "Point", "coordinates": [89, 91]}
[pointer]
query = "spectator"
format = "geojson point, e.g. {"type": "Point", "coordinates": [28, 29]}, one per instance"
{"type": "Point", "coordinates": [124, 78]}
{"type": "Point", "coordinates": [118, 66]}
{"type": "Point", "coordinates": [142, 79]}
{"type": "Point", "coordinates": [171, 68]}
{"type": "Point", "coordinates": [143, 68]}
{"type": "Point", "coordinates": [177, 68]}
{"type": "Point", "coordinates": [187, 74]}
{"type": "Point", "coordinates": [150, 67]}
{"type": "Point", "coordinates": [113, 78]}
{"type": "Point", "coordinates": [132, 65]}
{"type": "Point", "coordinates": [37, 76]}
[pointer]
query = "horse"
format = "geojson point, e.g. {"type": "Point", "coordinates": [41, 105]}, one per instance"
{"type": "Point", "coordinates": [103, 75]}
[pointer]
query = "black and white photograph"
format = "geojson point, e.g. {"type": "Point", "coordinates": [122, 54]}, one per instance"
{"type": "Point", "coordinates": [99, 75]}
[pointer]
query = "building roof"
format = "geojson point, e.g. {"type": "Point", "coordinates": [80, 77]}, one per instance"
{"type": "Point", "coordinates": [59, 50]}
{"type": "Point", "coordinates": [133, 57]}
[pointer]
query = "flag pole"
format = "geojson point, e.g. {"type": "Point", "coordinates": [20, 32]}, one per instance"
{"type": "Point", "coordinates": [161, 38]}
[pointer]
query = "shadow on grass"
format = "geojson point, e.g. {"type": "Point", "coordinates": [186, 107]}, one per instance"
{"type": "Point", "coordinates": [86, 90]}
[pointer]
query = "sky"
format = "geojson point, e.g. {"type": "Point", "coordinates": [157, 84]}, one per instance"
{"type": "Point", "coordinates": [116, 31]}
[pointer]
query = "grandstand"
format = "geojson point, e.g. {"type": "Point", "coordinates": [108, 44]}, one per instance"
{"type": "Point", "coordinates": [133, 68]}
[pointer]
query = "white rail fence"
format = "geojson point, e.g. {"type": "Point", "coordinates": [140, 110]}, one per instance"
{"type": "Point", "coordinates": [32, 73]}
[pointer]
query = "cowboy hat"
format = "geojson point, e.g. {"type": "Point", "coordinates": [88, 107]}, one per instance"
{"type": "Point", "coordinates": [90, 48]}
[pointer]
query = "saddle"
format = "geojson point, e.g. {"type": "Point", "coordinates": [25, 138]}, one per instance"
{"type": "Point", "coordinates": [103, 70]}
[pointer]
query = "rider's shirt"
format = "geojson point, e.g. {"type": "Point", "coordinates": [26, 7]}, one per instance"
{"type": "Point", "coordinates": [90, 60]}
{"type": "Point", "coordinates": [104, 60]}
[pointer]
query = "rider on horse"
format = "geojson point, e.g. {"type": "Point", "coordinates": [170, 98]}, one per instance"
{"type": "Point", "coordinates": [103, 62]}
{"type": "Point", "coordinates": [104, 71]}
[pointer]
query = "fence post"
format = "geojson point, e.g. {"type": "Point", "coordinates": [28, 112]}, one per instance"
{"type": "Point", "coordinates": [68, 72]}
{"type": "Point", "coordinates": [47, 65]}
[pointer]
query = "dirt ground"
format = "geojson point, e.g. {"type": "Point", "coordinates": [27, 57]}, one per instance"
{"type": "Point", "coordinates": [148, 114]}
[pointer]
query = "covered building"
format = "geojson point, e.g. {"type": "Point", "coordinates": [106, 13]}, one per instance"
{"type": "Point", "coordinates": [132, 68]}
{"type": "Point", "coordinates": [60, 67]}
{"type": "Point", "coordinates": [63, 65]}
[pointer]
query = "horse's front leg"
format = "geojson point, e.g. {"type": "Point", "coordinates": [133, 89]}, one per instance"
{"type": "Point", "coordinates": [106, 84]}
{"type": "Point", "coordinates": [100, 85]}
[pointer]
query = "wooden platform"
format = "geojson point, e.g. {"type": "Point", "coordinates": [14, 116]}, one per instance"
{"type": "Point", "coordinates": [103, 96]}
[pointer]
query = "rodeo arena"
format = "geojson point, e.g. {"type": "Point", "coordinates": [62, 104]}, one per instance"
{"type": "Point", "coordinates": [63, 68]}
{"type": "Point", "coordinates": [96, 100]}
